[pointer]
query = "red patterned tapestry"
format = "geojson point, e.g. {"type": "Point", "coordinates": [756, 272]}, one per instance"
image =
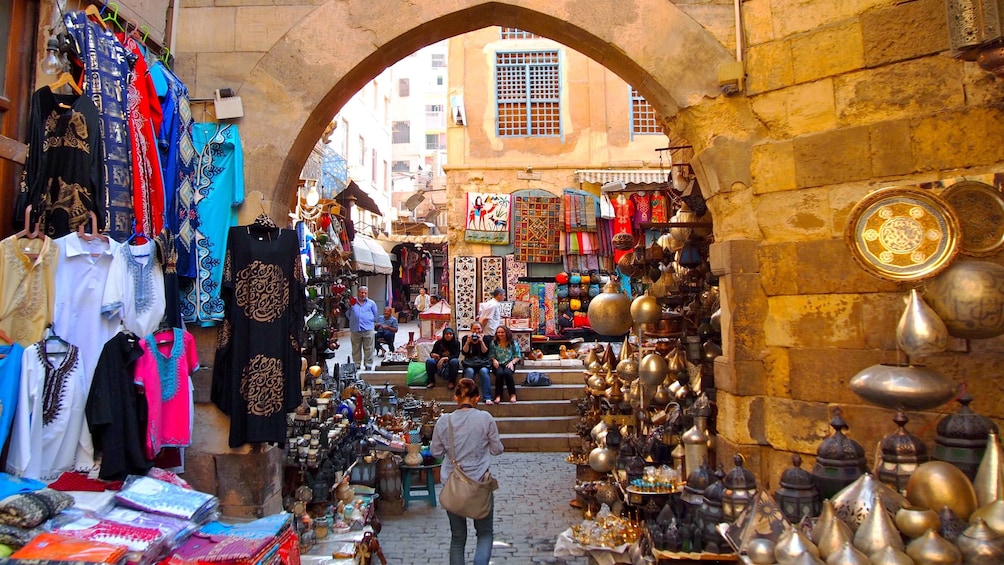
{"type": "Point", "coordinates": [538, 225]}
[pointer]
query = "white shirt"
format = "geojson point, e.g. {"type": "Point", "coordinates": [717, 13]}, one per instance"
{"type": "Point", "coordinates": [135, 289]}
{"type": "Point", "coordinates": [81, 277]}
{"type": "Point", "coordinates": [40, 450]}
{"type": "Point", "coordinates": [422, 302]}
{"type": "Point", "coordinates": [491, 316]}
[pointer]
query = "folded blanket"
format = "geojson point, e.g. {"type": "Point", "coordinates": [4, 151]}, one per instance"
{"type": "Point", "coordinates": [27, 510]}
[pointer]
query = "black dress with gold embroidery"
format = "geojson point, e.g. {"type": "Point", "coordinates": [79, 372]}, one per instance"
{"type": "Point", "coordinates": [63, 174]}
{"type": "Point", "coordinates": [256, 376]}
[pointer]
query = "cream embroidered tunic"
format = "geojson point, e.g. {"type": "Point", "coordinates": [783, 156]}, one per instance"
{"type": "Point", "coordinates": [27, 287]}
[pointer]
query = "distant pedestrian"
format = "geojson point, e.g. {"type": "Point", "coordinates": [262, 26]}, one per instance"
{"type": "Point", "coordinates": [362, 315]}
{"type": "Point", "coordinates": [474, 440]}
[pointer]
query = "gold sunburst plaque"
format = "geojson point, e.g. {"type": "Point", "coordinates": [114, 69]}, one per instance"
{"type": "Point", "coordinates": [903, 234]}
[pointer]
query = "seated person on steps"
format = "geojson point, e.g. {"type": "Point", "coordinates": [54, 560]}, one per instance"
{"type": "Point", "coordinates": [444, 359]}
{"type": "Point", "coordinates": [386, 330]}
{"type": "Point", "coordinates": [476, 361]}
{"type": "Point", "coordinates": [504, 353]}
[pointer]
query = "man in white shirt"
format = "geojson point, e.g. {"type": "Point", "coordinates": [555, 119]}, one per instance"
{"type": "Point", "coordinates": [422, 302]}
{"type": "Point", "coordinates": [491, 315]}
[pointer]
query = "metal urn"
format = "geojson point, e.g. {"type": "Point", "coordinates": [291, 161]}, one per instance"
{"type": "Point", "coordinates": [610, 312]}
{"type": "Point", "coordinates": [962, 438]}
{"type": "Point", "coordinates": [797, 494]}
{"type": "Point", "coordinates": [839, 460]}
{"type": "Point", "coordinates": [740, 489]}
{"type": "Point", "coordinates": [903, 386]}
{"type": "Point", "coordinates": [901, 453]}
{"type": "Point", "coordinates": [969, 296]}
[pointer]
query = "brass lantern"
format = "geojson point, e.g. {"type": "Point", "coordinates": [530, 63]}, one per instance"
{"type": "Point", "coordinates": [976, 28]}
{"type": "Point", "coordinates": [798, 496]}
{"type": "Point", "coordinates": [388, 479]}
{"type": "Point", "coordinates": [962, 438]}
{"type": "Point", "coordinates": [740, 489]}
{"type": "Point", "coordinates": [901, 452]}
{"type": "Point", "coordinates": [839, 460]}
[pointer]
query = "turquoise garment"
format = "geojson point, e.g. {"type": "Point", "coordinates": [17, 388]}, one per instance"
{"type": "Point", "coordinates": [504, 354]}
{"type": "Point", "coordinates": [219, 190]}
{"type": "Point", "coordinates": [10, 380]}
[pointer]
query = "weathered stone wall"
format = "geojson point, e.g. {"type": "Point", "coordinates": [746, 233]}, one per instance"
{"type": "Point", "coordinates": [842, 98]}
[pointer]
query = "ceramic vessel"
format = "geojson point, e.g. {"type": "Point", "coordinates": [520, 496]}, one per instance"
{"type": "Point", "coordinates": [848, 555]}
{"type": "Point", "coordinates": [937, 484]}
{"type": "Point", "coordinates": [965, 294]}
{"type": "Point", "coordinates": [913, 522]}
{"type": "Point", "coordinates": [877, 530]}
{"type": "Point", "coordinates": [932, 549]}
{"type": "Point", "coordinates": [980, 545]}
{"type": "Point", "coordinates": [903, 386]}
{"type": "Point", "coordinates": [920, 331]}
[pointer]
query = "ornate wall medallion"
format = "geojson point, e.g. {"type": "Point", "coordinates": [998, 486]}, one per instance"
{"type": "Point", "coordinates": [902, 234]}
{"type": "Point", "coordinates": [980, 209]}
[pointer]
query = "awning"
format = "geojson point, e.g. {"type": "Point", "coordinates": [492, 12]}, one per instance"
{"type": "Point", "coordinates": [369, 257]}
{"type": "Point", "coordinates": [362, 199]}
{"type": "Point", "coordinates": [423, 239]}
{"type": "Point", "coordinates": [628, 176]}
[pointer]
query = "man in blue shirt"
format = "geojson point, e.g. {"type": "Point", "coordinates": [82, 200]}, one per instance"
{"type": "Point", "coordinates": [386, 330]}
{"type": "Point", "coordinates": [362, 315]}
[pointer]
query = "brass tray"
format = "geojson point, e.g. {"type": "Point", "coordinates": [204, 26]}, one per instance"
{"type": "Point", "coordinates": [903, 234]}
{"type": "Point", "coordinates": [980, 209]}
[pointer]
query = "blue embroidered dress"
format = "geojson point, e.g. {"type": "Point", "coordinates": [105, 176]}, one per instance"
{"type": "Point", "coordinates": [106, 72]}
{"type": "Point", "coordinates": [219, 184]}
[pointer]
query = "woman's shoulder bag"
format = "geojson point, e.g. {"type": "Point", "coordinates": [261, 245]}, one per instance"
{"type": "Point", "coordinates": [463, 495]}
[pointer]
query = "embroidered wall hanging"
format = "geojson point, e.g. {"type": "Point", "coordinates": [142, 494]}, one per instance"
{"type": "Point", "coordinates": [513, 271]}
{"type": "Point", "coordinates": [488, 217]}
{"type": "Point", "coordinates": [492, 276]}
{"type": "Point", "coordinates": [538, 226]}
{"type": "Point", "coordinates": [465, 284]}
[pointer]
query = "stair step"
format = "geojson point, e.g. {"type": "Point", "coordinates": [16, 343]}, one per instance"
{"type": "Point", "coordinates": [530, 408]}
{"type": "Point", "coordinates": [397, 375]}
{"type": "Point", "coordinates": [558, 443]}
{"type": "Point", "coordinates": [536, 424]}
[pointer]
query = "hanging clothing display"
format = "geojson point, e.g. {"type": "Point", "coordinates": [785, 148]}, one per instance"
{"type": "Point", "coordinates": [660, 207]}
{"type": "Point", "coordinates": [167, 255]}
{"type": "Point", "coordinates": [63, 176]}
{"type": "Point", "coordinates": [144, 121]}
{"type": "Point", "coordinates": [105, 81]}
{"type": "Point", "coordinates": [219, 183]}
{"type": "Point", "coordinates": [177, 161]}
{"type": "Point", "coordinates": [50, 412]}
{"type": "Point", "coordinates": [256, 375]}
{"type": "Point", "coordinates": [116, 411]}
{"type": "Point", "coordinates": [10, 379]}
{"type": "Point", "coordinates": [26, 286]}
{"type": "Point", "coordinates": [164, 371]}
{"type": "Point", "coordinates": [642, 207]}
{"type": "Point", "coordinates": [135, 289]}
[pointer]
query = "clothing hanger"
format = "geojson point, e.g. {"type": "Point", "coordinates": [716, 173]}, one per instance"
{"type": "Point", "coordinates": [95, 15]}
{"type": "Point", "coordinates": [27, 231]}
{"type": "Point", "coordinates": [52, 337]}
{"type": "Point", "coordinates": [63, 80]}
{"type": "Point", "coordinates": [95, 234]}
{"type": "Point", "coordinates": [113, 17]}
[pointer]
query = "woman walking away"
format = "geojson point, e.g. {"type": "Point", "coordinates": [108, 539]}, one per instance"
{"type": "Point", "coordinates": [475, 438]}
{"type": "Point", "coordinates": [505, 353]}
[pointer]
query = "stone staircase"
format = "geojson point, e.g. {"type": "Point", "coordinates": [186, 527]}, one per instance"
{"type": "Point", "coordinates": [543, 419]}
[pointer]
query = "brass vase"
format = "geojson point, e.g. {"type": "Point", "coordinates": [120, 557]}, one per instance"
{"type": "Point", "coordinates": [913, 522]}
{"type": "Point", "coordinates": [936, 484]}
{"type": "Point", "coordinates": [890, 556]}
{"type": "Point", "coordinates": [610, 312]}
{"type": "Point", "coordinates": [932, 549]}
{"type": "Point", "coordinates": [980, 545]}
{"type": "Point", "coordinates": [988, 477]}
{"type": "Point", "coordinates": [920, 331]}
{"type": "Point", "coordinates": [877, 530]}
{"type": "Point", "coordinates": [848, 555]}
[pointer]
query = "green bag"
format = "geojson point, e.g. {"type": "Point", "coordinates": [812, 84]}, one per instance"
{"type": "Point", "coordinates": [416, 374]}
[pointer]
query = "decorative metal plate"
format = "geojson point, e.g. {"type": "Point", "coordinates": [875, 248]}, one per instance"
{"type": "Point", "coordinates": [980, 209]}
{"type": "Point", "coordinates": [903, 234]}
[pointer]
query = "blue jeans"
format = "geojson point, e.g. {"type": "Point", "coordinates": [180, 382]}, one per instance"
{"type": "Point", "coordinates": [449, 371]}
{"type": "Point", "coordinates": [458, 538]}
{"type": "Point", "coordinates": [484, 381]}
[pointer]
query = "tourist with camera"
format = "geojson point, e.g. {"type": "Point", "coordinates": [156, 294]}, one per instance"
{"type": "Point", "coordinates": [476, 361]}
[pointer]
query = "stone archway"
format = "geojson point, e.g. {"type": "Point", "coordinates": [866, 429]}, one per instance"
{"type": "Point", "coordinates": [310, 72]}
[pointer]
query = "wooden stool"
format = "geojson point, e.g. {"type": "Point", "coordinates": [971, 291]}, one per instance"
{"type": "Point", "coordinates": [429, 487]}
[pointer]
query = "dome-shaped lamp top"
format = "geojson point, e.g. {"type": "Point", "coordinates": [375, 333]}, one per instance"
{"type": "Point", "coordinates": [965, 426]}
{"type": "Point", "coordinates": [795, 477]}
{"type": "Point", "coordinates": [739, 478]}
{"type": "Point", "coordinates": [838, 447]}
{"type": "Point", "coordinates": [902, 443]}
{"type": "Point", "coordinates": [713, 492]}
{"type": "Point", "coordinates": [697, 482]}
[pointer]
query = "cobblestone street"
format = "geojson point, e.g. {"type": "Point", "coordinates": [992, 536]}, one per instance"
{"type": "Point", "coordinates": [531, 509]}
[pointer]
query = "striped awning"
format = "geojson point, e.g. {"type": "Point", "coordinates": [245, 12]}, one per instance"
{"type": "Point", "coordinates": [627, 176]}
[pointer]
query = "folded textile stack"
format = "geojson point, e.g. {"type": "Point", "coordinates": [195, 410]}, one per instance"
{"type": "Point", "coordinates": [259, 541]}
{"type": "Point", "coordinates": [159, 497]}
{"type": "Point", "coordinates": [55, 547]}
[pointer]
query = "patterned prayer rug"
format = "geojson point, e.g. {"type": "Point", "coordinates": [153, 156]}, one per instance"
{"type": "Point", "coordinates": [492, 276]}
{"type": "Point", "coordinates": [465, 284]}
{"type": "Point", "coordinates": [488, 217]}
{"type": "Point", "coordinates": [538, 225]}
{"type": "Point", "coordinates": [513, 271]}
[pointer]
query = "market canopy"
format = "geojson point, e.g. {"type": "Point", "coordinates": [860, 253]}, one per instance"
{"type": "Point", "coordinates": [362, 200]}
{"type": "Point", "coordinates": [368, 256]}
{"type": "Point", "coordinates": [627, 176]}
